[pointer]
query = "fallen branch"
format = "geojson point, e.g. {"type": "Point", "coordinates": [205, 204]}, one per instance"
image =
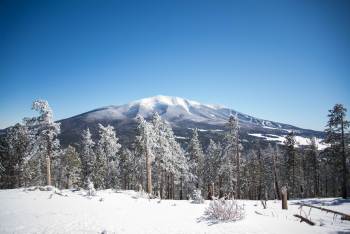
{"type": "Point", "coordinates": [303, 219]}
{"type": "Point", "coordinates": [257, 212]}
{"type": "Point", "coordinates": [343, 215]}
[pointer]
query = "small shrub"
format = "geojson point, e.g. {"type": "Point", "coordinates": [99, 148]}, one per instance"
{"type": "Point", "coordinates": [224, 210]}
{"type": "Point", "coordinates": [197, 197]}
{"type": "Point", "coordinates": [91, 189]}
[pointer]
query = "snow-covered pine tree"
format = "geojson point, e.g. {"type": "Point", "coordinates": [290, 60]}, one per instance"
{"type": "Point", "coordinates": [274, 157]}
{"type": "Point", "coordinates": [170, 161]}
{"type": "Point", "coordinates": [293, 166]}
{"type": "Point", "coordinates": [336, 137]}
{"type": "Point", "coordinates": [146, 141]}
{"type": "Point", "coordinates": [196, 159]}
{"type": "Point", "coordinates": [106, 158]}
{"type": "Point", "coordinates": [128, 167]}
{"type": "Point", "coordinates": [17, 138]}
{"type": "Point", "coordinates": [44, 144]}
{"type": "Point", "coordinates": [232, 155]}
{"type": "Point", "coordinates": [211, 167]}
{"type": "Point", "coordinates": [310, 168]}
{"type": "Point", "coordinates": [87, 155]}
{"type": "Point", "coordinates": [71, 167]}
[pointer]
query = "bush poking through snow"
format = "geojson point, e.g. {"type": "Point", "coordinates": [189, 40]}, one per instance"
{"type": "Point", "coordinates": [91, 189]}
{"type": "Point", "coordinates": [224, 210]}
{"type": "Point", "coordinates": [197, 197]}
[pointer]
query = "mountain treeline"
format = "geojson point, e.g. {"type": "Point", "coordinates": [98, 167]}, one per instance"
{"type": "Point", "coordinates": [31, 155]}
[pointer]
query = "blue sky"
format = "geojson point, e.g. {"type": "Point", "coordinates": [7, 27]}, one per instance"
{"type": "Point", "coordinates": [287, 61]}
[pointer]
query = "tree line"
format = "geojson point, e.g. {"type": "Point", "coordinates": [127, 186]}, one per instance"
{"type": "Point", "coordinates": [31, 155]}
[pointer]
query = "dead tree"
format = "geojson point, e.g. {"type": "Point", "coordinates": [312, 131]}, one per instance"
{"type": "Point", "coordinates": [303, 219]}
{"type": "Point", "coordinates": [284, 194]}
{"type": "Point", "coordinates": [343, 215]}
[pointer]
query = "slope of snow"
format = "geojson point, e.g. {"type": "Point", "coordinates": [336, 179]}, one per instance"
{"type": "Point", "coordinates": [299, 139]}
{"type": "Point", "coordinates": [125, 212]}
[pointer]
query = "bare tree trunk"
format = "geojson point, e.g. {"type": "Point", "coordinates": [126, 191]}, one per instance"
{"type": "Point", "coordinates": [168, 186]}
{"type": "Point", "coordinates": [213, 188]}
{"type": "Point", "coordinates": [48, 171]}
{"type": "Point", "coordinates": [220, 188]}
{"type": "Point", "coordinates": [173, 186]}
{"type": "Point", "coordinates": [209, 197]}
{"type": "Point", "coordinates": [67, 186]}
{"type": "Point", "coordinates": [238, 189]}
{"type": "Point", "coordinates": [181, 192]}
{"type": "Point", "coordinates": [345, 177]}
{"type": "Point", "coordinates": [149, 173]}
{"type": "Point", "coordinates": [161, 187]}
{"type": "Point", "coordinates": [284, 194]}
{"type": "Point", "coordinates": [277, 189]}
{"type": "Point", "coordinates": [48, 163]}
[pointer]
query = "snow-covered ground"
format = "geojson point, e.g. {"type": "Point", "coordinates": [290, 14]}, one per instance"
{"type": "Point", "coordinates": [125, 212]}
{"type": "Point", "coordinates": [298, 139]}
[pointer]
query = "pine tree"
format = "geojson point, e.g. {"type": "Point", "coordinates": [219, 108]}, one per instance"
{"type": "Point", "coordinates": [293, 165]}
{"type": "Point", "coordinates": [211, 167]}
{"type": "Point", "coordinates": [170, 163]}
{"type": "Point", "coordinates": [105, 173]}
{"type": "Point", "coordinates": [196, 158]}
{"type": "Point", "coordinates": [336, 136]}
{"type": "Point", "coordinates": [17, 138]}
{"type": "Point", "coordinates": [146, 139]}
{"type": "Point", "coordinates": [71, 167]}
{"type": "Point", "coordinates": [44, 144]}
{"type": "Point", "coordinates": [87, 157]}
{"type": "Point", "coordinates": [128, 166]}
{"type": "Point", "coordinates": [232, 154]}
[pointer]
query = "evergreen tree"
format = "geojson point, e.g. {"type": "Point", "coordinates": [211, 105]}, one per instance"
{"type": "Point", "coordinates": [105, 173]}
{"type": "Point", "coordinates": [211, 167]}
{"type": "Point", "coordinates": [44, 144]}
{"type": "Point", "coordinates": [292, 166]}
{"type": "Point", "coordinates": [196, 158]}
{"type": "Point", "coordinates": [232, 155]}
{"type": "Point", "coordinates": [87, 157]}
{"type": "Point", "coordinates": [128, 166]}
{"type": "Point", "coordinates": [170, 163]}
{"type": "Point", "coordinates": [71, 167]}
{"type": "Point", "coordinates": [146, 141]}
{"type": "Point", "coordinates": [17, 138]}
{"type": "Point", "coordinates": [335, 135]}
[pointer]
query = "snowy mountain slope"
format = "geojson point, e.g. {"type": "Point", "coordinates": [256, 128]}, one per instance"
{"type": "Point", "coordinates": [179, 109]}
{"type": "Point", "coordinates": [183, 115]}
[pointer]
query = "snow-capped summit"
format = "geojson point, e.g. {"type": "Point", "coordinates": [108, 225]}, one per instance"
{"type": "Point", "coordinates": [168, 107]}
{"type": "Point", "coordinates": [151, 102]}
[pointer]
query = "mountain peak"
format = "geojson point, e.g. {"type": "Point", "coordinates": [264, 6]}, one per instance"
{"type": "Point", "coordinates": [151, 102]}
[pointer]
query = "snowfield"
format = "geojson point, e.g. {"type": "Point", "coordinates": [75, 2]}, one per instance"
{"type": "Point", "coordinates": [127, 212]}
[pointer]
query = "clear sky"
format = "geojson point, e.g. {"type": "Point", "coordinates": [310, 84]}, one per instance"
{"type": "Point", "coordinates": [287, 61]}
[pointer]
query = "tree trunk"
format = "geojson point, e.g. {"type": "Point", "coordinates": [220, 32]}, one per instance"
{"type": "Point", "coordinates": [238, 189]}
{"type": "Point", "coordinates": [345, 177]}
{"type": "Point", "coordinates": [161, 187]}
{"type": "Point", "coordinates": [48, 163]}
{"type": "Point", "coordinates": [149, 173]}
{"type": "Point", "coordinates": [284, 194]}
{"type": "Point", "coordinates": [213, 188]}
{"type": "Point", "coordinates": [181, 195]}
{"type": "Point", "coordinates": [209, 197]}
{"type": "Point", "coordinates": [277, 189]}
{"type": "Point", "coordinates": [220, 188]}
{"type": "Point", "coordinates": [67, 186]}
{"type": "Point", "coordinates": [48, 171]}
{"type": "Point", "coordinates": [173, 186]}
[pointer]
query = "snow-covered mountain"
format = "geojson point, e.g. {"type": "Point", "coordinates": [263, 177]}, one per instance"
{"type": "Point", "coordinates": [183, 115]}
